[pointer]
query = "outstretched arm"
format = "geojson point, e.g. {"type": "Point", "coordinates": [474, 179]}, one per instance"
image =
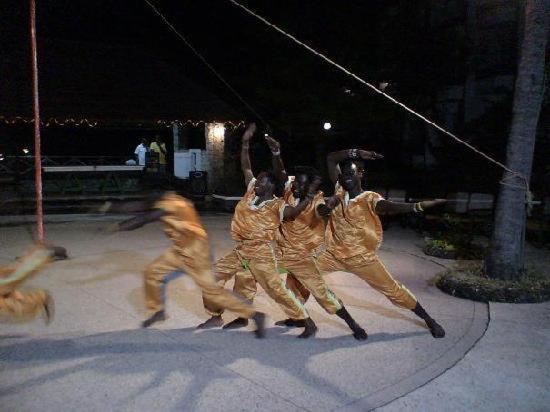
{"type": "Point", "coordinates": [386, 207]}
{"type": "Point", "coordinates": [245, 157]}
{"type": "Point", "coordinates": [139, 221]}
{"type": "Point", "coordinates": [276, 159]}
{"type": "Point", "coordinates": [334, 158]}
{"type": "Point", "coordinates": [122, 207]}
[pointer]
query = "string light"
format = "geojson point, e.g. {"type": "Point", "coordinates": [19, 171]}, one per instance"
{"type": "Point", "coordinates": [196, 123]}
{"type": "Point", "coordinates": [75, 122]}
{"type": "Point", "coordinates": [49, 122]}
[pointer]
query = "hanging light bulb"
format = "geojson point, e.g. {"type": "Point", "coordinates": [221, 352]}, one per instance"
{"type": "Point", "coordinates": [327, 126]}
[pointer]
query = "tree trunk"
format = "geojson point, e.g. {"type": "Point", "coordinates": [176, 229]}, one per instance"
{"type": "Point", "coordinates": [506, 258]}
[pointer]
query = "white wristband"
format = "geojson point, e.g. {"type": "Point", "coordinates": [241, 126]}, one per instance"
{"type": "Point", "coordinates": [277, 153]}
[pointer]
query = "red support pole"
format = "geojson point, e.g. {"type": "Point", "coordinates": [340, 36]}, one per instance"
{"type": "Point", "coordinates": [36, 110]}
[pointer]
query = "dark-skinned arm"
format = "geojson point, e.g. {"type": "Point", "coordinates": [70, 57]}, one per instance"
{"type": "Point", "coordinates": [246, 167]}
{"type": "Point", "coordinates": [133, 206]}
{"type": "Point", "coordinates": [334, 158]}
{"type": "Point", "coordinates": [138, 221]}
{"type": "Point", "coordinates": [292, 212]}
{"type": "Point", "coordinates": [386, 207]}
{"type": "Point", "coordinates": [326, 208]}
{"type": "Point", "coordinates": [276, 159]}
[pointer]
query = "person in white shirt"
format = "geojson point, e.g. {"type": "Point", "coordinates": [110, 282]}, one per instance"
{"type": "Point", "coordinates": [140, 152]}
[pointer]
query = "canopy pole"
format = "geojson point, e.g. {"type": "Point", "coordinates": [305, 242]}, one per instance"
{"type": "Point", "coordinates": [36, 111]}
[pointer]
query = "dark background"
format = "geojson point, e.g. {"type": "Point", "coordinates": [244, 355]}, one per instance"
{"type": "Point", "coordinates": [116, 61]}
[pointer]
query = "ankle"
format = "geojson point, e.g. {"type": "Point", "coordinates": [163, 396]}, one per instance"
{"type": "Point", "coordinates": [421, 312]}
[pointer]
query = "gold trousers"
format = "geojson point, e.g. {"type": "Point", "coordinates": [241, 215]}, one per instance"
{"type": "Point", "coordinates": [264, 272]}
{"type": "Point", "coordinates": [371, 271]}
{"type": "Point", "coordinates": [19, 305]}
{"type": "Point", "coordinates": [304, 277]}
{"type": "Point", "coordinates": [15, 304]}
{"type": "Point", "coordinates": [175, 262]}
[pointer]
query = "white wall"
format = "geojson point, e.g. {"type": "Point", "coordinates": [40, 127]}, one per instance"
{"type": "Point", "coordinates": [189, 160]}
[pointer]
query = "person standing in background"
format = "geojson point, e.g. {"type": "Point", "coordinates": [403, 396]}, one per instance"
{"type": "Point", "coordinates": [158, 146]}
{"type": "Point", "coordinates": [141, 151]}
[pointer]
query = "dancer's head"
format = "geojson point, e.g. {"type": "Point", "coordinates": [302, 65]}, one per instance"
{"type": "Point", "coordinates": [266, 184]}
{"type": "Point", "coordinates": [304, 176]}
{"type": "Point", "coordinates": [351, 175]}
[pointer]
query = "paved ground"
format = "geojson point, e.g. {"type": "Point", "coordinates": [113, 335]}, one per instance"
{"type": "Point", "coordinates": [94, 356]}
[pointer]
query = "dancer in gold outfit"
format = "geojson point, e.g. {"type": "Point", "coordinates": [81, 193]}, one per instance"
{"type": "Point", "coordinates": [189, 253]}
{"type": "Point", "coordinates": [299, 242]}
{"type": "Point", "coordinates": [354, 232]}
{"type": "Point", "coordinates": [19, 305]}
{"type": "Point", "coordinates": [254, 228]}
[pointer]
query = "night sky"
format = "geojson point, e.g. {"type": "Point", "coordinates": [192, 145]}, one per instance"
{"type": "Point", "coordinates": [293, 90]}
{"type": "Point", "coordinates": [274, 75]}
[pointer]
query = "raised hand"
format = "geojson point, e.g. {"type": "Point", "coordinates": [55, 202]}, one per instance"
{"type": "Point", "coordinates": [273, 144]}
{"type": "Point", "coordinates": [249, 132]}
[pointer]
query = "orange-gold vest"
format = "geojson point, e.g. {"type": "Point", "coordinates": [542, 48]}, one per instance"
{"type": "Point", "coordinates": [353, 227]}
{"type": "Point", "coordinates": [254, 227]}
{"type": "Point", "coordinates": [301, 237]}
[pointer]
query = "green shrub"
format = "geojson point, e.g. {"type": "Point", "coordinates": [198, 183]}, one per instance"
{"type": "Point", "coordinates": [470, 282]}
{"type": "Point", "coordinates": [446, 249]}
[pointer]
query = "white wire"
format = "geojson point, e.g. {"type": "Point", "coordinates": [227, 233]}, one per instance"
{"type": "Point", "coordinates": [201, 57]}
{"type": "Point", "coordinates": [390, 98]}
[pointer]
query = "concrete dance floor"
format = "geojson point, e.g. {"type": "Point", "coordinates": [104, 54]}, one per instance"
{"type": "Point", "coordinates": [94, 356]}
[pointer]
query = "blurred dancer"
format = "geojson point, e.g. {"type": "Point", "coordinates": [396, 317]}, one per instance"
{"type": "Point", "coordinates": [189, 253]}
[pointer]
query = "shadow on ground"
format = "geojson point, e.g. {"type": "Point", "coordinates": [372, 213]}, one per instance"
{"type": "Point", "coordinates": [160, 354]}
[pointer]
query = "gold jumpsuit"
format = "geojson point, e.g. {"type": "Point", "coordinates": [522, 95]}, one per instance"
{"type": "Point", "coordinates": [254, 228]}
{"type": "Point", "coordinates": [353, 236]}
{"type": "Point", "coordinates": [298, 242]}
{"type": "Point", "coordinates": [190, 253]}
{"type": "Point", "coordinates": [16, 305]}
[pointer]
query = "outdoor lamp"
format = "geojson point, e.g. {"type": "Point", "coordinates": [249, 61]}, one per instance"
{"type": "Point", "coordinates": [219, 131]}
